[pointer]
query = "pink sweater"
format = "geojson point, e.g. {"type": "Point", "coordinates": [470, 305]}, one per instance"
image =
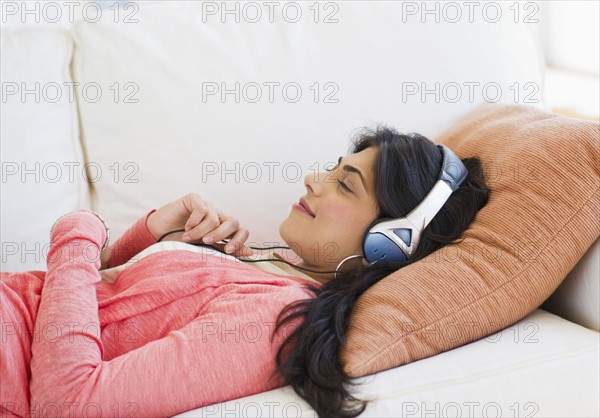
{"type": "Point", "coordinates": [176, 331]}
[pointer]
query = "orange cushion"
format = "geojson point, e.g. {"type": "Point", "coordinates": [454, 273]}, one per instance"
{"type": "Point", "coordinates": [542, 215]}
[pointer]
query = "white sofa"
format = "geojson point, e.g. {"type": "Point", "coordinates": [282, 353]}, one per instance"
{"type": "Point", "coordinates": [123, 109]}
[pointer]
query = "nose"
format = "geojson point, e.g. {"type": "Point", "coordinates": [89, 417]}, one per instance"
{"type": "Point", "coordinates": [312, 181]}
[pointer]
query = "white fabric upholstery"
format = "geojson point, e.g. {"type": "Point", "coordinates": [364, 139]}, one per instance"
{"type": "Point", "coordinates": [541, 366]}
{"type": "Point", "coordinates": [43, 173]}
{"type": "Point", "coordinates": [578, 297]}
{"type": "Point", "coordinates": [176, 137]}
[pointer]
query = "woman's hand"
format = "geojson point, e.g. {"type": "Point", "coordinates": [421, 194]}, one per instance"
{"type": "Point", "coordinates": [202, 222]}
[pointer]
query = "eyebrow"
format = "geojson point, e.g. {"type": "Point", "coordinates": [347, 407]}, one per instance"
{"type": "Point", "coordinates": [352, 169]}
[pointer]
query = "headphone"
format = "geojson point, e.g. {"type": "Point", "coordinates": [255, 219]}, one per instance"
{"type": "Point", "coordinates": [395, 239]}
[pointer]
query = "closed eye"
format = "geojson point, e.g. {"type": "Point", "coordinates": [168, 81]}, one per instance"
{"type": "Point", "coordinates": [344, 186]}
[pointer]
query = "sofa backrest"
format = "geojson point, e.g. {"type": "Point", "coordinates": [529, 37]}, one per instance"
{"type": "Point", "coordinates": [239, 103]}
{"type": "Point", "coordinates": [238, 106]}
{"type": "Point", "coordinates": [43, 168]}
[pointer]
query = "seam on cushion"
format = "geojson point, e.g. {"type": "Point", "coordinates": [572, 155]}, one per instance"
{"type": "Point", "coordinates": [516, 276]}
{"type": "Point", "coordinates": [83, 195]}
{"type": "Point", "coordinates": [488, 373]}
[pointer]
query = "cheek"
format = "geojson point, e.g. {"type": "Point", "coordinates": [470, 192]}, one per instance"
{"type": "Point", "coordinates": [345, 223]}
{"type": "Point", "coordinates": [340, 231]}
{"type": "Point", "coordinates": [336, 213]}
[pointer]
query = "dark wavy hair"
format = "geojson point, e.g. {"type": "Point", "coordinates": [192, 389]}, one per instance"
{"type": "Point", "coordinates": [406, 167]}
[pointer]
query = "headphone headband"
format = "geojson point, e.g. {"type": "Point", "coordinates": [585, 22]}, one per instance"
{"type": "Point", "coordinates": [397, 239]}
{"type": "Point", "coordinates": [453, 171]}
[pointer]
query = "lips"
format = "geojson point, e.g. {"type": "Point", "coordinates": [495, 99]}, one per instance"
{"type": "Point", "coordinates": [303, 203]}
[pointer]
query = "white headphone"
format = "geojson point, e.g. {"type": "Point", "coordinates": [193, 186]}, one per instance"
{"type": "Point", "coordinates": [397, 239]}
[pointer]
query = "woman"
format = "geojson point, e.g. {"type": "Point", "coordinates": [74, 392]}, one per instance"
{"type": "Point", "coordinates": [166, 327]}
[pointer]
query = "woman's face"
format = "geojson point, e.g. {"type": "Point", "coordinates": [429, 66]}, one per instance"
{"type": "Point", "coordinates": [341, 215]}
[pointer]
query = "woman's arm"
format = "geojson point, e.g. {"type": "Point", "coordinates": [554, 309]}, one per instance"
{"type": "Point", "coordinates": [137, 238]}
{"type": "Point", "coordinates": [223, 354]}
{"type": "Point", "coordinates": [197, 216]}
{"type": "Point", "coordinates": [200, 220]}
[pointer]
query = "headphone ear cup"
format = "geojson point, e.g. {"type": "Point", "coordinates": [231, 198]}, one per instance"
{"type": "Point", "coordinates": [377, 246]}
{"type": "Point", "coordinates": [368, 231]}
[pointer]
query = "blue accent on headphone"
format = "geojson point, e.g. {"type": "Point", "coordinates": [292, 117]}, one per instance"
{"type": "Point", "coordinates": [396, 239]}
{"type": "Point", "coordinates": [404, 234]}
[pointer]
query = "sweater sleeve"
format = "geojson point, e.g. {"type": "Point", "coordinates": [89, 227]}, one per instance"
{"type": "Point", "coordinates": [132, 242]}
{"type": "Point", "coordinates": [225, 353]}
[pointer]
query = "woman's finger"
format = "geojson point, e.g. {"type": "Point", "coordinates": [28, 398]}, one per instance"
{"type": "Point", "coordinates": [198, 210]}
{"type": "Point", "coordinates": [204, 221]}
{"type": "Point", "coordinates": [227, 228]}
{"type": "Point", "coordinates": [236, 246]}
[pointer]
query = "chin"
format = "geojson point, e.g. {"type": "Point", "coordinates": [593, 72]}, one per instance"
{"type": "Point", "coordinates": [282, 229]}
{"type": "Point", "coordinates": [290, 232]}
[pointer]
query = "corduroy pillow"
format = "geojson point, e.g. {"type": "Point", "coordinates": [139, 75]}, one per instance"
{"type": "Point", "coordinates": [544, 174]}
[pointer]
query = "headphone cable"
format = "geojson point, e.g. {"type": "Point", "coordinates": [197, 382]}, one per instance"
{"type": "Point", "coordinates": [255, 248]}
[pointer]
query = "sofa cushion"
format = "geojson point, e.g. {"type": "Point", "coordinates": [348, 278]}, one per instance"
{"type": "Point", "coordinates": [578, 297]}
{"type": "Point", "coordinates": [43, 172]}
{"type": "Point", "coordinates": [544, 174]}
{"type": "Point", "coordinates": [530, 368]}
{"type": "Point", "coordinates": [187, 106]}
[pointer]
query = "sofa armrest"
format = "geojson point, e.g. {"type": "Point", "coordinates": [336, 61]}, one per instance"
{"type": "Point", "coordinates": [578, 297]}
